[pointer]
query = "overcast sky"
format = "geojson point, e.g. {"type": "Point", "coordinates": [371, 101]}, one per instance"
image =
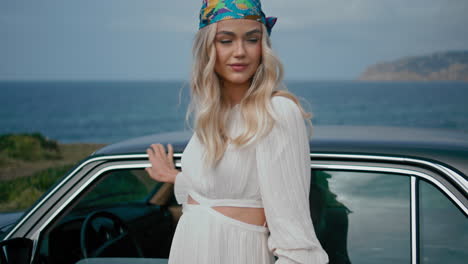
{"type": "Point", "coordinates": [151, 39]}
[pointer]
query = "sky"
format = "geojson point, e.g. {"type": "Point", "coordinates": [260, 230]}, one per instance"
{"type": "Point", "coordinates": [152, 39]}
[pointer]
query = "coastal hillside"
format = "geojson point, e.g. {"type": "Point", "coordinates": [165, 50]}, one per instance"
{"type": "Point", "coordinates": [450, 65]}
{"type": "Point", "coordinates": [30, 163]}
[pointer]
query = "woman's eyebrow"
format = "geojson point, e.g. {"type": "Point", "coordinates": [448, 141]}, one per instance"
{"type": "Point", "coordinates": [253, 32]}
{"type": "Point", "coordinates": [226, 32]}
{"type": "Point", "coordinates": [233, 34]}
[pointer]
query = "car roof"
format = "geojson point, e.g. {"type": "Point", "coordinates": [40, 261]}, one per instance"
{"type": "Point", "coordinates": [443, 145]}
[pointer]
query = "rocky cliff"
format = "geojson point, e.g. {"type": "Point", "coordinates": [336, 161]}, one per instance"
{"type": "Point", "coordinates": [450, 65]}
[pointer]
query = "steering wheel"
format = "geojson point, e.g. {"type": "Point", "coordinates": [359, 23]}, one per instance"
{"type": "Point", "coordinates": [109, 237]}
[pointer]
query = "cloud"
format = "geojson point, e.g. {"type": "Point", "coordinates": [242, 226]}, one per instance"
{"type": "Point", "coordinates": [159, 16]}
{"type": "Point", "coordinates": [300, 14]}
{"type": "Point", "coordinates": [313, 33]}
{"type": "Point", "coordinates": [161, 23]}
{"type": "Point", "coordinates": [13, 20]}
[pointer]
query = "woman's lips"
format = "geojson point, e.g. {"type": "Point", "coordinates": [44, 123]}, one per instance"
{"type": "Point", "coordinates": [238, 67]}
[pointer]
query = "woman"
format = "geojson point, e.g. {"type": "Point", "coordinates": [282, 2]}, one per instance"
{"type": "Point", "coordinates": [245, 176]}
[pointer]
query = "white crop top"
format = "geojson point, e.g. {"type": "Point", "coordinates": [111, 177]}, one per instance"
{"type": "Point", "coordinates": [273, 173]}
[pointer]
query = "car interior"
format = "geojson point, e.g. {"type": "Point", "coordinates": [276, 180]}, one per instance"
{"type": "Point", "coordinates": [124, 214]}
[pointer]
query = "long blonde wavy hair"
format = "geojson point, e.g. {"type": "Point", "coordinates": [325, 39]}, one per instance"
{"type": "Point", "coordinates": [211, 107]}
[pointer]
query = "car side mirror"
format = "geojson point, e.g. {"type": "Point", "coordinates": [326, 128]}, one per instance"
{"type": "Point", "coordinates": [15, 250]}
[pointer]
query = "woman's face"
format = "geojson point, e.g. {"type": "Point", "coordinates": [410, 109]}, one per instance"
{"type": "Point", "coordinates": [238, 45]}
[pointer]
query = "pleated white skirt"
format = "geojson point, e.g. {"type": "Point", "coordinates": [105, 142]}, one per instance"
{"type": "Point", "coordinates": [206, 236]}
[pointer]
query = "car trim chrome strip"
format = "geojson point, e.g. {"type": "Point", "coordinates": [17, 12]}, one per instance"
{"type": "Point", "coordinates": [414, 219]}
{"type": "Point", "coordinates": [462, 182]}
{"type": "Point", "coordinates": [34, 249]}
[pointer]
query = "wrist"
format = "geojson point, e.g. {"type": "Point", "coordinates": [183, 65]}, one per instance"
{"type": "Point", "coordinates": [175, 173]}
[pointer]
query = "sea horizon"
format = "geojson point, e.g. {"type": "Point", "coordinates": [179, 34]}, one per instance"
{"type": "Point", "coordinates": [110, 111]}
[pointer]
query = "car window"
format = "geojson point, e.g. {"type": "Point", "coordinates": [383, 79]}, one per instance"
{"type": "Point", "coordinates": [362, 217]}
{"type": "Point", "coordinates": [120, 186]}
{"type": "Point", "coordinates": [122, 214]}
{"type": "Point", "coordinates": [443, 227]}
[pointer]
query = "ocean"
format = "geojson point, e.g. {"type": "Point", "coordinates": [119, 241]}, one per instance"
{"type": "Point", "coordinates": [108, 112]}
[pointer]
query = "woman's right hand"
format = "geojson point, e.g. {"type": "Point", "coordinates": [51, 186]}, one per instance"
{"type": "Point", "coordinates": [162, 165]}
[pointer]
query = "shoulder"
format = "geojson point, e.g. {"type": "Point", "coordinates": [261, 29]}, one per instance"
{"type": "Point", "coordinates": [281, 100]}
{"type": "Point", "coordinates": [285, 107]}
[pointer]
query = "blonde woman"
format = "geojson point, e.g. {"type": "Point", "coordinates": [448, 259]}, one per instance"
{"type": "Point", "coordinates": [245, 177]}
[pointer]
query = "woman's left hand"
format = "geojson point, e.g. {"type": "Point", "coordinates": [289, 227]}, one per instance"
{"type": "Point", "coordinates": [163, 168]}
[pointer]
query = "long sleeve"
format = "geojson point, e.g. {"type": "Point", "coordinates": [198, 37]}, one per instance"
{"type": "Point", "coordinates": [181, 186]}
{"type": "Point", "coordinates": [283, 165]}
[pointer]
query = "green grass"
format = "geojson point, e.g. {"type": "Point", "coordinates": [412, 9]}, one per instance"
{"type": "Point", "coordinates": [27, 147]}
{"type": "Point", "coordinates": [31, 163]}
{"type": "Point", "coordinates": [21, 193]}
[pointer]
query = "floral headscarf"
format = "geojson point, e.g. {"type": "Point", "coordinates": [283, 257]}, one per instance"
{"type": "Point", "coordinates": [213, 11]}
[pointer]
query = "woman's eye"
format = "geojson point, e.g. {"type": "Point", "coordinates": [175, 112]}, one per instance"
{"type": "Point", "coordinates": [225, 41]}
{"type": "Point", "coordinates": [253, 40]}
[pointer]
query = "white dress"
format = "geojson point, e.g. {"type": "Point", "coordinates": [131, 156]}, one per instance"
{"type": "Point", "coordinates": [273, 173]}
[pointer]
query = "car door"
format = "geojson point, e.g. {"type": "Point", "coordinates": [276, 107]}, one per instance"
{"type": "Point", "coordinates": [110, 209]}
{"type": "Point", "coordinates": [375, 209]}
{"type": "Point", "coordinates": [124, 197]}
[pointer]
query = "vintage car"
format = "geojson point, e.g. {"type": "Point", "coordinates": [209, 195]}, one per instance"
{"type": "Point", "coordinates": [378, 195]}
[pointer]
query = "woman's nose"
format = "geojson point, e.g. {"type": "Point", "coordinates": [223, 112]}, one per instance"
{"type": "Point", "coordinates": [239, 49]}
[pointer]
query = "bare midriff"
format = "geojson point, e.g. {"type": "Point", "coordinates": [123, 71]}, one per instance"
{"type": "Point", "coordinates": [253, 216]}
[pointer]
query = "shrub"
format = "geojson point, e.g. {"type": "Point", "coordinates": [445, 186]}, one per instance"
{"type": "Point", "coordinates": [28, 147]}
